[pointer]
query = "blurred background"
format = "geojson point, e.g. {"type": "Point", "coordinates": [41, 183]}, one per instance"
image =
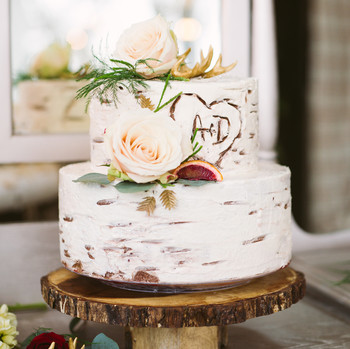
{"type": "Point", "coordinates": [313, 55]}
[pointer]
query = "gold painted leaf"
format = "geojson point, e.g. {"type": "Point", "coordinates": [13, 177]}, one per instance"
{"type": "Point", "coordinates": [148, 204]}
{"type": "Point", "coordinates": [145, 102]}
{"type": "Point", "coordinates": [73, 344]}
{"type": "Point", "coordinates": [180, 68]}
{"type": "Point", "coordinates": [168, 199]}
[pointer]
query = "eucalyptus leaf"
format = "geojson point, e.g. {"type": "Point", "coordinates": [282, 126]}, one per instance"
{"type": "Point", "coordinates": [101, 341]}
{"type": "Point", "coordinates": [40, 330]}
{"type": "Point", "coordinates": [193, 183]}
{"type": "Point", "coordinates": [132, 187]}
{"type": "Point", "coordinates": [73, 324]}
{"type": "Point", "coordinates": [98, 178]}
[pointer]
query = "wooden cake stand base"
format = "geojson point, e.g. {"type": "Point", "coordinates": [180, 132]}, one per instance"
{"type": "Point", "coordinates": [158, 321]}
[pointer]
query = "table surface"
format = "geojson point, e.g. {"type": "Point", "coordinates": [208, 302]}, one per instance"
{"type": "Point", "coordinates": [31, 251]}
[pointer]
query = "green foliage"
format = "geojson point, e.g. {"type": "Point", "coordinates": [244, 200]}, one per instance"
{"type": "Point", "coordinates": [159, 106]}
{"type": "Point", "coordinates": [345, 279]}
{"type": "Point", "coordinates": [73, 324]}
{"type": "Point", "coordinates": [196, 148]}
{"type": "Point", "coordinates": [169, 101]}
{"type": "Point", "coordinates": [193, 183]}
{"type": "Point", "coordinates": [31, 306]}
{"type": "Point", "coordinates": [22, 77]}
{"type": "Point", "coordinates": [93, 178]}
{"type": "Point", "coordinates": [101, 341]}
{"type": "Point", "coordinates": [132, 187]}
{"type": "Point", "coordinates": [166, 185]}
{"type": "Point", "coordinates": [107, 80]}
{"type": "Point", "coordinates": [162, 95]}
{"type": "Point", "coordinates": [38, 331]}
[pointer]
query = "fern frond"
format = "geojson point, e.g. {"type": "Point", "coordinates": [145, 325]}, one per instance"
{"type": "Point", "coordinates": [148, 204]}
{"type": "Point", "coordinates": [168, 199]}
{"type": "Point", "coordinates": [145, 102]}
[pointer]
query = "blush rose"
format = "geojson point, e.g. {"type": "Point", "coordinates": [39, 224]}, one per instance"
{"type": "Point", "coordinates": [145, 145]}
{"type": "Point", "coordinates": [149, 39]}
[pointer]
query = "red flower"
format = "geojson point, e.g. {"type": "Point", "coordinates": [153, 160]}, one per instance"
{"type": "Point", "coordinates": [44, 340]}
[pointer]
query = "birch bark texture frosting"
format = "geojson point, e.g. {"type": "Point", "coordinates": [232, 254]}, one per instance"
{"type": "Point", "coordinates": [231, 230]}
{"type": "Point", "coordinates": [235, 229]}
{"type": "Point", "coordinates": [223, 108]}
{"type": "Point", "coordinates": [152, 40]}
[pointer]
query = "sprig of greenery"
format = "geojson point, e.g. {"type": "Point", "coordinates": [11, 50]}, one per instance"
{"type": "Point", "coordinates": [166, 185]}
{"type": "Point", "coordinates": [159, 106]}
{"type": "Point", "coordinates": [345, 279]}
{"type": "Point", "coordinates": [31, 306]}
{"type": "Point", "coordinates": [22, 77]}
{"type": "Point", "coordinates": [196, 147]}
{"type": "Point", "coordinates": [145, 61]}
{"type": "Point", "coordinates": [107, 80]}
{"type": "Point", "coordinates": [162, 95]}
{"type": "Point", "coordinates": [63, 75]}
{"type": "Point", "coordinates": [169, 101]}
{"type": "Point", "coordinates": [194, 135]}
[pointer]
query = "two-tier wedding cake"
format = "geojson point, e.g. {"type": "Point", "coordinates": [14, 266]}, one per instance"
{"type": "Point", "coordinates": [174, 195]}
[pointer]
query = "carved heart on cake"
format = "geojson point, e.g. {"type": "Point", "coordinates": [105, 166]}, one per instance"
{"type": "Point", "coordinates": [218, 122]}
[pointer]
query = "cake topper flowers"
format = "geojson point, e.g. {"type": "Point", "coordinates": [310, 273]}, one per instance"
{"type": "Point", "coordinates": [146, 146]}
{"type": "Point", "coordinates": [151, 40]}
{"type": "Point", "coordinates": [52, 63]}
{"type": "Point", "coordinates": [145, 51]}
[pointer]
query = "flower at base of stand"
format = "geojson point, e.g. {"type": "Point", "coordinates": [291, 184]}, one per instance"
{"type": "Point", "coordinates": [8, 330]}
{"type": "Point", "coordinates": [45, 340]}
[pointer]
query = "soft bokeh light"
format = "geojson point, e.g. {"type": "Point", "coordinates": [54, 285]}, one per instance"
{"type": "Point", "coordinates": [188, 29]}
{"type": "Point", "coordinates": [77, 38]}
{"type": "Point", "coordinates": [95, 26]}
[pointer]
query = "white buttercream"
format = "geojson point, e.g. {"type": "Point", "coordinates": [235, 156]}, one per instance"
{"type": "Point", "coordinates": [232, 230]}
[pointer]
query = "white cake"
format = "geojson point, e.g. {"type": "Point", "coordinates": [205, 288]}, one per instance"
{"type": "Point", "coordinates": [49, 106]}
{"type": "Point", "coordinates": [222, 232]}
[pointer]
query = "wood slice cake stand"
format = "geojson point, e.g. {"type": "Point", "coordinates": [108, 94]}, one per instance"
{"type": "Point", "coordinates": [158, 321]}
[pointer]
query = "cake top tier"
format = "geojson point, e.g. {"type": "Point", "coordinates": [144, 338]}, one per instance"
{"type": "Point", "coordinates": [151, 113]}
{"type": "Point", "coordinates": [221, 111]}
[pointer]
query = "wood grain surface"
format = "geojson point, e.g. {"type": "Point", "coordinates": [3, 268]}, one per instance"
{"type": "Point", "coordinates": [89, 299]}
{"type": "Point", "coordinates": [209, 337]}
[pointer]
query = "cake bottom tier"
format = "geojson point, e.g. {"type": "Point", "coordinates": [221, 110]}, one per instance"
{"type": "Point", "coordinates": [234, 230]}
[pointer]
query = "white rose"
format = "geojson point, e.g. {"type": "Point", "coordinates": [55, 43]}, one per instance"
{"type": "Point", "coordinates": [8, 331]}
{"type": "Point", "coordinates": [149, 39]}
{"type": "Point", "coordinates": [51, 62]}
{"type": "Point", "coordinates": [145, 145]}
